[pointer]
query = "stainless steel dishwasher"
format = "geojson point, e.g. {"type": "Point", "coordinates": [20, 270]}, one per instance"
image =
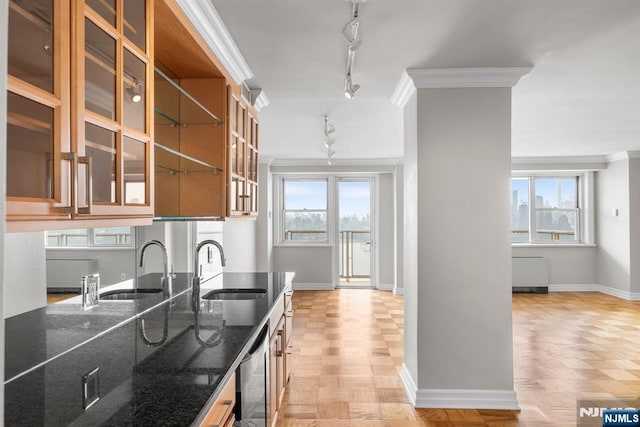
{"type": "Point", "coordinates": [252, 409]}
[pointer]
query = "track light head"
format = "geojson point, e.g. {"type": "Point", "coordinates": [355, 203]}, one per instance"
{"type": "Point", "coordinates": [329, 142]}
{"type": "Point", "coordinates": [135, 91]}
{"type": "Point", "coordinates": [350, 89]}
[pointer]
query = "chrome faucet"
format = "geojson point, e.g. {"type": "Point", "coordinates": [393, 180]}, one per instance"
{"type": "Point", "coordinates": [196, 265]}
{"type": "Point", "coordinates": [166, 278]}
{"type": "Point", "coordinates": [214, 339]}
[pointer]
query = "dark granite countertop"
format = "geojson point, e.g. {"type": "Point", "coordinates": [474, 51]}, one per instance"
{"type": "Point", "coordinates": [165, 384]}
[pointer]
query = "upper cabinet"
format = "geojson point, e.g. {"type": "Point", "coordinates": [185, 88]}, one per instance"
{"type": "Point", "coordinates": [79, 134]}
{"type": "Point", "coordinates": [38, 111]}
{"type": "Point", "coordinates": [112, 99]}
{"type": "Point", "coordinates": [243, 159]}
{"type": "Point", "coordinates": [206, 133]}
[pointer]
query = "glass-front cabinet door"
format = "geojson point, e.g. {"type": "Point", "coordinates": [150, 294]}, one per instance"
{"type": "Point", "coordinates": [78, 110]}
{"type": "Point", "coordinates": [111, 120]}
{"type": "Point", "coordinates": [38, 166]}
{"type": "Point", "coordinates": [243, 158]}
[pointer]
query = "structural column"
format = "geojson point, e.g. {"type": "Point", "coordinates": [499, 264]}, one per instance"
{"type": "Point", "coordinates": [457, 224]}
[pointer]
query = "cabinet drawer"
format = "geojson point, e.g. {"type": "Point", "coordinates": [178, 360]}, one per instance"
{"type": "Point", "coordinates": [222, 409]}
{"type": "Point", "coordinates": [276, 315]}
{"type": "Point", "coordinates": [288, 326]}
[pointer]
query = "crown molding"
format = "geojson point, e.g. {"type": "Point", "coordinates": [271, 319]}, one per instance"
{"type": "Point", "coordinates": [624, 155]}
{"type": "Point", "coordinates": [404, 91]}
{"type": "Point", "coordinates": [208, 23]}
{"type": "Point", "coordinates": [633, 154]}
{"type": "Point", "coordinates": [431, 78]}
{"type": "Point", "coordinates": [448, 78]}
{"type": "Point", "coordinates": [568, 163]}
{"type": "Point", "coordinates": [260, 99]}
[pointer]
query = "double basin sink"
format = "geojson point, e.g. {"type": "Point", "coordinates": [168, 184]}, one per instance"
{"type": "Point", "coordinates": [216, 294]}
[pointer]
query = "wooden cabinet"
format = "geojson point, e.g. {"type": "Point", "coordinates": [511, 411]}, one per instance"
{"type": "Point", "coordinates": [279, 354]}
{"type": "Point", "coordinates": [190, 147]}
{"type": "Point", "coordinates": [221, 412]}
{"type": "Point", "coordinates": [79, 127]}
{"type": "Point", "coordinates": [243, 156]}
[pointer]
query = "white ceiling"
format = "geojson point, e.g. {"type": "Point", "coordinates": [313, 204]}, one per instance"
{"type": "Point", "coordinates": [582, 97]}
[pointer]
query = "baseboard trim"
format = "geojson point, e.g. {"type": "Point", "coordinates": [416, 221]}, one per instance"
{"type": "Point", "coordinates": [385, 287]}
{"type": "Point", "coordinates": [410, 387]}
{"type": "Point", "coordinates": [608, 290]}
{"type": "Point", "coordinates": [398, 291]}
{"type": "Point", "coordinates": [467, 399]}
{"type": "Point", "coordinates": [312, 286]}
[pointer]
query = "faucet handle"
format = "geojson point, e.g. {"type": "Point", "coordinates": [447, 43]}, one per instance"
{"type": "Point", "coordinates": [172, 274]}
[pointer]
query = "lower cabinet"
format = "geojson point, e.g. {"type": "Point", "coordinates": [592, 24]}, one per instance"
{"type": "Point", "coordinates": [279, 355]}
{"type": "Point", "coordinates": [221, 413]}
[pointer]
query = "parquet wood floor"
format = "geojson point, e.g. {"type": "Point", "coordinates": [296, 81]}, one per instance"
{"type": "Point", "coordinates": [349, 343]}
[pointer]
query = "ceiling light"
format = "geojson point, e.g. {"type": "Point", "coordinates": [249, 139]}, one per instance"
{"type": "Point", "coordinates": [349, 88]}
{"type": "Point", "coordinates": [350, 33]}
{"type": "Point", "coordinates": [329, 142]}
{"type": "Point", "coordinates": [135, 91]}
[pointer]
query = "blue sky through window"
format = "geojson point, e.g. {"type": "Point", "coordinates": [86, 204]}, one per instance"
{"type": "Point", "coordinates": [305, 195]}
{"type": "Point", "coordinates": [355, 198]}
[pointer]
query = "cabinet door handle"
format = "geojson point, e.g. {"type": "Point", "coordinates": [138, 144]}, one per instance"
{"type": "Point", "coordinates": [289, 313]}
{"type": "Point", "coordinates": [73, 202]}
{"type": "Point", "coordinates": [86, 160]}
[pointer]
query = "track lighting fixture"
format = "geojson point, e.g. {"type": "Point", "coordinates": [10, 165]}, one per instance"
{"type": "Point", "coordinates": [350, 33]}
{"type": "Point", "coordinates": [328, 141]}
{"type": "Point", "coordinates": [135, 91]}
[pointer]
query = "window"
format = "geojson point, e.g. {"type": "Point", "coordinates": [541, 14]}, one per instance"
{"type": "Point", "coordinates": [545, 209]}
{"type": "Point", "coordinates": [90, 237]}
{"type": "Point", "coordinates": [304, 210]}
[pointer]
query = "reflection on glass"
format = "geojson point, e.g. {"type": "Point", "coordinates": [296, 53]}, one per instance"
{"type": "Point", "coordinates": [106, 9]}
{"type": "Point", "coordinates": [134, 171]}
{"type": "Point", "coordinates": [30, 43]}
{"type": "Point", "coordinates": [556, 224]}
{"type": "Point", "coordinates": [556, 192]}
{"type": "Point", "coordinates": [100, 144]}
{"type": "Point", "coordinates": [63, 238]}
{"type": "Point", "coordinates": [240, 157]}
{"type": "Point", "coordinates": [135, 22]}
{"type": "Point", "coordinates": [305, 226]}
{"type": "Point", "coordinates": [112, 236]}
{"type": "Point", "coordinates": [100, 73]}
{"type": "Point", "coordinates": [234, 154]}
{"type": "Point", "coordinates": [520, 210]}
{"type": "Point", "coordinates": [30, 145]}
{"type": "Point", "coordinates": [240, 121]}
{"type": "Point", "coordinates": [134, 91]}
{"type": "Point", "coordinates": [234, 194]}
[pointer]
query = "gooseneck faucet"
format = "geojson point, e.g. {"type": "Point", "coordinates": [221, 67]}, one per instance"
{"type": "Point", "coordinates": [166, 278]}
{"type": "Point", "coordinates": [196, 292]}
{"type": "Point", "coordinates": [166, 292]}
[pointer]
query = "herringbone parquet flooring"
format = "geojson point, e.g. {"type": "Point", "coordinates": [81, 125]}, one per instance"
{"type": "Point", "coordinates": [348, 350]}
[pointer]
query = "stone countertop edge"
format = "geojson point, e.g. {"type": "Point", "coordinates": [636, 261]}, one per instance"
{"type": "Point", "coordinates": [227, 376]}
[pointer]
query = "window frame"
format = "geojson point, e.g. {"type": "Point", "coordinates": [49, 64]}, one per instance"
{"type": "Point", "coordinates": [584, 224]}
{"type": "Point", "coordinates": [91, 241]}
{"type": "Point", "coordinates": [279, 223]}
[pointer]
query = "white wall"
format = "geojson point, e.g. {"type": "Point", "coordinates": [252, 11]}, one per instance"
{"type": "Point", "coordinates": [264, 223]}
{"type": "Point", "coordinates": [111, 264]}
{"type": "Point", "coordinates": [240, 245]}
{"type": "Point", "coordinates": [410, 238]}
{"type": "Point", "coordinates": [464, 247]}
{"type": "Point", "coordinates": [25, 275]}
{"type": "Point", "coordinates": [566, 266]}
{"type": "Point", "coordinates": [613, 251]}
{"type": "Point", "coordinates": [386, 230]}
{"type": "Point", "coordinates": [634, 215]}
{"type": "Point", "coordinates": [312, 265]}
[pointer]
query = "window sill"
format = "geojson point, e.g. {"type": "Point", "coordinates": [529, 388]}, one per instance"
{"type": "Point", "coordinates": [90, 248]}
{"type": "Point", "coordinates": [552, 245]}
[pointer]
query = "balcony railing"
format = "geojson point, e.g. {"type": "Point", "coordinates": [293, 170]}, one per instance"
{"type": "Point", "coordinates": [354, 250]}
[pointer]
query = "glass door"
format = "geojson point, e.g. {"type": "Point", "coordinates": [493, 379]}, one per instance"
{"type": "Point", "coordinates": [355, 232]}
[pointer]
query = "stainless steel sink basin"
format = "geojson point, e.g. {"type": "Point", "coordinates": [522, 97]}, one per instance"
{"type": "Point", "coordinates": [129, 294]}
{"type": "Point", "coordinates": [235, 294]}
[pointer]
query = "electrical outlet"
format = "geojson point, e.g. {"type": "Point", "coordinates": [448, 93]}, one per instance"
{"type": "Point", "coordinates": [123, 276]}
{"type": "Point", "coordinates": [90, 388]}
